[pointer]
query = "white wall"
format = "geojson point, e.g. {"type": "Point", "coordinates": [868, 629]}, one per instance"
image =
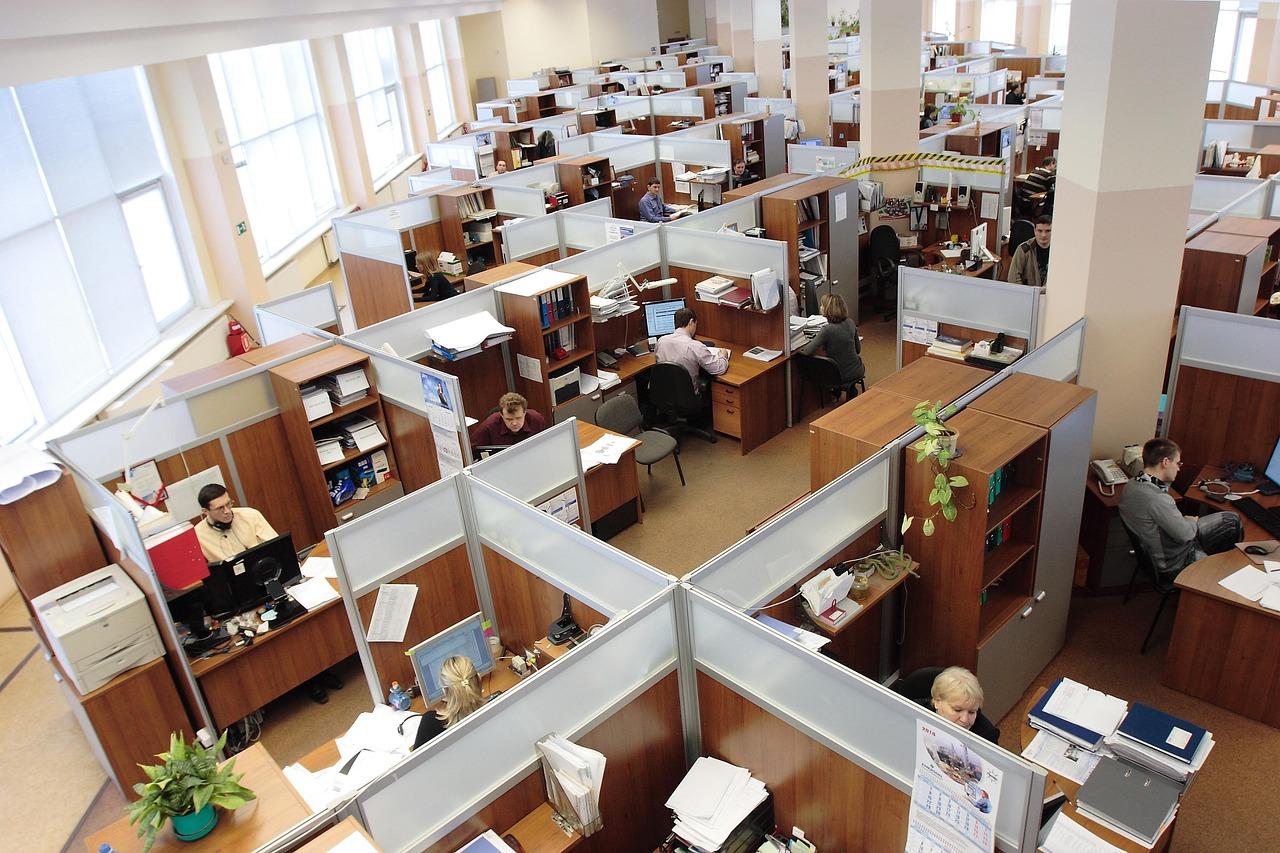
{"type": "Point", "coordinates": [484, 51]}
{"type": "Point", "coordinates": [673, 18]}
{"type": "Point", "coordinates": [622, 27]}
{"type": "Point", "coordinates": [541, 33]}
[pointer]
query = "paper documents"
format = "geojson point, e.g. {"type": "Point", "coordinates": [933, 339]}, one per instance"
{"type": "Point", "coordinates": [536, 282]}
{"type": "Point", "coordinates": [762, 354]}
{"type": "Point", "coordinates": [313, 593]}
{"type": "Point", "coordinates": [319, 567]}
{"type": "Point", "coordinates": [606, 450]}
{"type": "Point", "coordinates": [1061, 757]}
{"type": "Point", "coordinates": [575, 779]}
{"type": "Point", "coordinates": [469, 332]}
{"type": "Point", "coordinates": [1067, 836]}
{"type": "Point", "coordinates": [1248, 582]}
{"type": "Point", "coordinates": [712, 799]}
{"type": "Point", "coordinates": [391, 612]}
{"type": "Point", "coordinates": [1092, 709]}
{"type": "Point", "coordinates": [1271, 598]}
{"type": "Point", "coordinates": [23, 470]}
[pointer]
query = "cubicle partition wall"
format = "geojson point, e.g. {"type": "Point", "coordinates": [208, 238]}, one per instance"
{"type": "Point", "coordinates": [1212, 193]}
{"type": "Point", "coordinates": [1058, 358]}
{"type": "Point", "coordinates": [1233, 99]}
{"type": "Point", "coordinates": [747, 78]}
{"type": "Point", "coordinates": [964, 307]}
{"type": "Point", "coordinates": [540, 470]}
{"type": "Point", "coordinates": [429, 178]}
{"type": "Point", "coordinates": [1226, 364]}
{"type": "Point", "coordinates": [535, 240]}
{"type": "Point", "coordinates": [1247, 135]}
{"type": "Point", "coordinates": [459, 152]}
{"type": "Point", "coordinates": [820, 159]}
{"type": "Point", "coordinates": [313, 308]}
{"type": "Point", "coordinates": [584, 231]}
{"type": "Point", "coordinates": [677, 155]}
{"type": "Point", "coordinates": [837, 751]}
{"type": "Point", "coordinates": [739, 215]}
{"type": "Point", "coordinates": [785, 106]}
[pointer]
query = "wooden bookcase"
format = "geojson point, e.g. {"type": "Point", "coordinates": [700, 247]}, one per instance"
{"type": "Point", "coordinates": [514, 144]}
{"type": "Point", "coordinates": [535, 337]}
{"type": "Point", "coordinates": [1265, 229]}
{"type": "Point", "coordinates": [717, 99]}
{"type": "Point", "coordinates": [971, 587]}
{"type": "Point", "coordinates": [746, 142]}
{"type": "Point", "coordinates": [797, 216]}
{"type": "Point", "coordinates": [470, 237]}
{"type": "Point", "coordinates": [1224, 272]}
{"type": "Point", "coordinates": [578, 175]}
{"type": "Point", "coordinates": [302, 433]}
{"type": "Point", "coordinates": [978, 140]}
{"type": "Point", "coordinates": [541, 105]}
{"type": "Point", "coordinates": [590, 121]}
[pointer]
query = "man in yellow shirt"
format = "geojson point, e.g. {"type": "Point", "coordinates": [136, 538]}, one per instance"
{"type": "Point", "coordinates": [225, 531]}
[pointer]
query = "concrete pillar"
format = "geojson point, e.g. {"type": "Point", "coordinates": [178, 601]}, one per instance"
{"type": "Point", "coordinates": [741, 29]}
{"type": "Point", "coordinates": [809, 66]}
{"type": "Point", "coordinates": [708, 7]}
{"type": "Point", "coordinates": [1264, 63]}
{"type": "Point", "coordinates": [890, 77]}
{"type": "Point", "coordinates": [1033, 25]}
{"type": "Point", "coordinates": [455, 59]}
{"type": "Point", "coordinates": [1124, 94]}
{"type": "Point", "coordinates": [413, 81]}
{"type": "Point", "coordinates": [767, 15]}
{"type": "Point", "coordinates": [968, 15]}
{"type": "Point", "coordinates": [724, 24]}
{"type": "Point", "coordinates": [337, 97]}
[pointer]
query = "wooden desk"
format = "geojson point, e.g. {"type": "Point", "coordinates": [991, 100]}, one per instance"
{"type": "Point", "coordinates": [244, 679]}
{"type": "Point", "coordinates": [1071, 789]}
{"type": "Point", "coordinates": [277, 807]}
{"type": "Point", "coordinates": [1252, 531]}
{"type": "Point", "coordinates": [1225, 649]}
{"type": "Point", "coordinates": [856, 431]}
{"type": "Point", "coordinates": [334, 835]}
{"type": "Point", "coordinates": [538, 833]}
{"type": "Point", "coordinates": [938, 263]}
{"type": "Point", "coordinates": [497, 275]}
{"type": "Point", "coordinates": [610, 487]}
{"type": "Point", "coordinates": [856, 643]}
{"type": "Point", "coordinates": [933, 379]}
{"type": "Point", "coordinates": [748, 399]}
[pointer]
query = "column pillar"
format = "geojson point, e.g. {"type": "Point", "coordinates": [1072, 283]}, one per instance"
{"type": "Point", "coordinates": [1264, 63]}
{"type": "Point", "coordinates": [767, 18]}
{"type": "Point", "coordinates": [456, 62]}
{"type": "Point", "coordinates": [968, 13]}
{"type": "Point", "coordinates": [417, 102]}
{"type": "Point", "coordinates": [890, 94]}
{"type": "Point", "coordinates": [724, 25]}
{"type": "Point", "coordinates": [741, 30]}
{"type": "Point", "coordinates": [1109, 202]}
{"type": "Point", "coordinates": [809, 66]}
{"type": "Point", "coordinates": [1033, 25]}
{"type": "Point", "coordinates": [333, 79]}
{"type": "Point", "coordinates": [698, 19]}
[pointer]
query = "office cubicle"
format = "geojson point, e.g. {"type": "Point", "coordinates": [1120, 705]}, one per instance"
{"type": "Point", "coordinates": [678, 155]}
{"type": "Point", "coordinates": [740, 215]}
{"type": "Point", "coordinates": [540, 469]}
{"type": "Point", "coordinates": [429, 178]}
{"type": "Point", "coordinates": [967, 306]}
{"type": "Point", "coordinates": [535, 240]}
{"type": "Point", "coordinates": [1234, 99]}
{"type": "Point", "coordinates": [582, 231]}
{"type": "Point", "coordinates": [311, 308]}
{"type": "Point", "coordinates": [820, 159]}
{"type": "Point", "coordinates": [1058, 358]}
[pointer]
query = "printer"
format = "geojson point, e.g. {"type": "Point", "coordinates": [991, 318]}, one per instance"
{"type": "Point", "coordinates": [99, 625]}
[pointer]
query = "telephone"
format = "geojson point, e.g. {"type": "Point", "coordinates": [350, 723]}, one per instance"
{"type": "Point", "coordinates": [1109, 475]}
{"type": "Point", "coordinates": [606, 360]}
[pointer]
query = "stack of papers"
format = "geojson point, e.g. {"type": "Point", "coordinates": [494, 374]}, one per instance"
{"type": "Point", "coordinates": [369, 748]}
{"type": "Point", "coordinates": [1058, 756]}
{"type": "Point", "coordinates": [316, 402]}
{"type": "Point", "coordinates": [1161, 742]}
{"type": "Point", "coordinates": [811, 641]}
{"type": "Point", "coordinates": [360, 432]}
{"type": "Point", "coordinates": [1067, 836]}
{"type": "Point", "coordinates": [467, 336]}
{"type": "Point", "coordinates": [313, 593]}
{"type": "Point", "coordinates": [712, 800]}
{"type": "Point", "coordinates": [607, 380]}
{"type": "Point", "coordinates": [329, 450]}
{"type": "Point", "coordinates": [1249, 582]}
{"type": "Point", "coordinates": [346, 387]}
{"type": "Point", "coordinates": [577, 777]}
{"type": "Point", "coordinates": [606, 450]}
{"type": "Point", "coordinates": [1075, 712]}
{"type": "Point", "coordinates": [603, 308]}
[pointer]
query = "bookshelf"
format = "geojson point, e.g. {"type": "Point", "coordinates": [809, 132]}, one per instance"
{"type": "Point", "coordinates": [555, 316]}
{"type": "Point", "coordinates": [798, 216]}
{"type": "Point", "coordinates": [540, 105]}
{"type": "Point", "coordinates": [585, 178]}
{"type": "Point", "coordinates": [467, 218]}
{"type": "Point", "coordinates": [1264, 229]}
{"type": "Point", "coordinates": [515, 144]}
{"type": "Point", "coordinates": [593, 120]}
{"type": "Point", "coordinates": [746, 142]}
{"type": "Point", "coordinates": [717, 99]}
{"type": "Point", "coordinates": [376, 463]}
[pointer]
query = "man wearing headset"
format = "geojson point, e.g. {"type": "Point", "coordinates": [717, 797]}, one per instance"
{"type": "Point", "coordinates": [225, 531]}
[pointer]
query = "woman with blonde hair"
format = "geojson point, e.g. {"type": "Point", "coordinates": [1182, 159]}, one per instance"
{"type": "Point", "coordinates": [838, 340]}
{"type": "Point", "coordinates": [957, 695]}
{"type": "Point", "coordinates": [462, 696]}
{"type": "Point", "coordinates": [435, 284]}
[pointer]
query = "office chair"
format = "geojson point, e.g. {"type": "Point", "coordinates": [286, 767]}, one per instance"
{"type": "Point", "coordinates": [886, 254]}
{"type": "Point", "coordinates": [1020, 232]}
{"type": "Point", "coordinates": [621, 413]}
{"type": "Point", "coordinates": [918, 687]}
{"type": "Point", "coordinates": [821, 371]}
{"type": "Point", "coordinates": [671, 393]}
{"type": "Point", "coordinates": [1162, 582]}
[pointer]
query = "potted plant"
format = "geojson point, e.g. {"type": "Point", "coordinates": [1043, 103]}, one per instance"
{"type": "Point", "coordinates": [185, 789]}
{"type": "Point", "coordinates": [965, 111]}
{"type": "Point", "coordinates": [938, 447]}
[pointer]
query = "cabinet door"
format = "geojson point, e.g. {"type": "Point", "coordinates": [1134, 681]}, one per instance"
{"type": "Point", "coordinates": [1004, 667]}
{"type": "Point", "coordinates": [842, 259]}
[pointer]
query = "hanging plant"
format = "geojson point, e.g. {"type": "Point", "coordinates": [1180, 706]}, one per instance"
{"type": "Point", "coordinates": [938, 448]}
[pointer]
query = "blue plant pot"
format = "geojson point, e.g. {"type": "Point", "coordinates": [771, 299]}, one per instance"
{"type": "Point", "coordinates": [189, 827]}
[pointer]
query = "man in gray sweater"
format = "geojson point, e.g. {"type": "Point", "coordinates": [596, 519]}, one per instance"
{"type": "Point", "coordinates": [1172, 540]}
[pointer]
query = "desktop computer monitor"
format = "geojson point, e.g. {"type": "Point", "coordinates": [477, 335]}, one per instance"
{"type": "Point", "coordinates": [1271, 475]}
{"type": "Point", "coordinates": [233, 585]}
{"type": "Point", "coordinates": [660, 316]}
{"type": "Point", "coordinates": [978, 241]}
{"type": "Point", "coordinates": [465, 639]}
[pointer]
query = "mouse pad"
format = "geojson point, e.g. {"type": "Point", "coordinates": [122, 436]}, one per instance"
{"type": "Point", "coordinates": [1272, 546]}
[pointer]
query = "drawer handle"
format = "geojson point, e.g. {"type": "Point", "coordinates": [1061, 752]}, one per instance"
{"type": "Point", "coordinates": [1041, 596]}
{"type": "Point", "coordinates": [349, 516]}
{"type": "Point", "coordinates": [1027, 612]}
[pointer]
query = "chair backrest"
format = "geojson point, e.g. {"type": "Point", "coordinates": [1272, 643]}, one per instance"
{"type": "Point", "coordinates": [671, 390]}
{"type": "Point", "coordinates": [1020, 232]}
{"type": "Point", "coordinates": [819, 369]}
{"type": "Point", "coordinates": [1145, 565]}
{"type": "Point", "coordinates": [619, 413]}
{"type": "Point", "coordinates": [883, 243]}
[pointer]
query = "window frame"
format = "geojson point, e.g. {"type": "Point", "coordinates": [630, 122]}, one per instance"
{"type": "Point", "coordinates": [933, 16]}
{"type": "Point", "coordinates": [984, 21]}
{"type": "Point", "coordinates": [394, 89]}
{"type": "Point", "coordinates": [436, 25]}
{"type": "Point", "coordinates": [1057, 7]}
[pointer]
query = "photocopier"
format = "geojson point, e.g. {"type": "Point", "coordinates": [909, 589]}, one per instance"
{"type": "Point", "coordinates": [99, 625]}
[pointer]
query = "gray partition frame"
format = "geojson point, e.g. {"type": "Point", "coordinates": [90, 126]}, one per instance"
{"type": "Point", "coordinates": [313, 307]}
{"type": "Point", "coordinates": [539, 468]}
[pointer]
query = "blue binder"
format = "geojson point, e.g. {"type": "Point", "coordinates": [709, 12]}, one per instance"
{"type": "Point", "coordinates": [1150, 727]}
{"type": "Point", "coordinates": [1072, 732]}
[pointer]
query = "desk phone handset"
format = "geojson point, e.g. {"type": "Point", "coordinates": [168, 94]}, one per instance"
{"type": "Point", "coordinates": [1109, 475]}
{"type": "Point", "coordinates": [565, 628]}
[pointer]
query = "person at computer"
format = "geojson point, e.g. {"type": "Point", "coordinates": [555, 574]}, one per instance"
{"type": "Point", "coordinates": [435, 284]}
{"type": "Point", "coordinates": [500, 167]}
{"type": "Point", "coordinates": [1030, 264]}
{"type": "Point", "coordinates": [652, 208]}
{"type": "Point", "coordinates": [513, 422]}
{"type": "Point", "coordinates": [740, 177]}
{"type": "Point", "coordinates": [838, 340]}
{"type": "Point", "coordinates": [957, 695]}
{"type": "Point", "coordinates": [1172, 540]}
{"type": "Point", "coordinates": [680, 347]}
{"type": "Point", "coordinates": [462, 697]}
{"type": "Point", "coordinates": [1043, 177]}
{"type": "Point", "coordinates": [1013, 95]}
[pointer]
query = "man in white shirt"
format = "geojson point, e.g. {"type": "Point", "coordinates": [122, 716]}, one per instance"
{"type": "Point", "coordinates": [694, 356]}
{"type": "Point", "coordinates": [225, 531]}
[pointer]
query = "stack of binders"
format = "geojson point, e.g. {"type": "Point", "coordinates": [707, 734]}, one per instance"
{"type": "Point", "coordinates": [1137, 803]}
{"type": "Point", "coordinates": [1161, 742]}
{"type": "Point", "coordinates": [1077, 713]}
{"type": "Point", "coordinates": [346, 387]}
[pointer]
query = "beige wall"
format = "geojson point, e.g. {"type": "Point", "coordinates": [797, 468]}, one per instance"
{"type": "Point", "coordinates": [673, 18]}
{"type": "Point", "coordinates": [541, 33]}
{"type": "Point", "coordinates": [484, 51]}
{"type": "Point", "coordinates": [621, 28]}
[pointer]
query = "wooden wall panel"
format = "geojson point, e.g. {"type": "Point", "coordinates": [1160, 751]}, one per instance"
{"type": "Point", "coordinates": [540, 258]}
{"type": "Point", "coordinates": [48, 538]}
{"type": "Point", "coordinates": [446, 596]}
{"type": "Point", "coordinates": [270, 480]}
{"type": "Point", "coordinates": [377, 289]}
{"type": "Point", "coordinates": [483, 379]}
{"type": "Point", "coordinates": [747, 327]}
{"type": "Point", "coordinates": [911, 350]}
{"type": "Point", "coordinates": [428, 237]}
{"type": "Point", "coordinates": [524, 604]}
{"type": "Point", "coordinates": [414, 446]}
{"type": "Point", "coordinates": [839, 805]}
{"type": "Point", "coordinates": [626, 330]}
{"type": "Point", "coordinates": [1220, 418]}
{"type": "Point", "coordinates": [184, 464]}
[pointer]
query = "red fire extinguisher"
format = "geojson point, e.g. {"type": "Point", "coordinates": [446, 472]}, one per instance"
{"type": "Point", "coordinates": [238, 340]}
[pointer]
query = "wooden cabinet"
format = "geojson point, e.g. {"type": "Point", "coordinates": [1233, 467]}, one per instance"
{"type": "Point", "coordinates": [590, 121]}
{"type": "Point", "coordinates": [717, 99]}
{"type": "Point", "coordinates": [853, 433]}
{"type": "Point", "coordinates": [540, 105]}
{"type": "Point", "coordinates": [585, 178]}
{"type": "Point", "coordinates": [467, 219]}
{"type": "Point", "coordinates": [981, 140]}
{"type": "Point", "coordinates": [286, 381]}
{"type": "Point", "coordinates": [1264, 229]}
{"type": "Point", "coordinates": [553, 328]}
{"type": "Point", "coordinates": [817, 219]}
{"type": "Point", "coordinates": [746, 142]}
{"type": "Point", "coordinates": [516, 144]}
{"type": "Point", "coordinates": [1223, 272]}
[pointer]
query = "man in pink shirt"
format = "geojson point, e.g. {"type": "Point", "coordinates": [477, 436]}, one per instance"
{"type": "Point", "coordinates": [694, 356]}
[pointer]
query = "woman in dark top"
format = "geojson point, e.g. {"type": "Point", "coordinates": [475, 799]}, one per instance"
{"type": "Point", "coordinates": [838, 340]}
{"type": "Point", "coordinates": [462, 696]}
{"type": "Point", "coordinates": [1014, 95]}
{"type": "Point", "coordinates": [435, 284]}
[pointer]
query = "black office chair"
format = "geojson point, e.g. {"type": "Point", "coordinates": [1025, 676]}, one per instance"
{"type": "Point", "coordinates": [821, 371]}
{"type": "Point", "coordinates": [918, 687]}
{"type": "Point", "coordinates": [621, 413]}
{"type": "Point", "coordinates": [885, 256]}
{"type": "Point", "coordinates": [679, 409]}
{"type": "Point", "coordinates": [1162, 582]}
{"type": "Point", "coordinates": [1020, 232]}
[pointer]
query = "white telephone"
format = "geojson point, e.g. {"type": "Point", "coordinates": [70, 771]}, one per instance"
{"type": "Point", "coordinates": [1109, 475]}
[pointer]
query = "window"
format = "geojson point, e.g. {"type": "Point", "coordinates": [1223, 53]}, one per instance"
{"type": "Point", "coordinates": [92, 267]}
{"type": "Point", "coordinates": [944, 17]}
{"type": "Point", "coordinates": [1232, 42]}
{"type": "Point", "coordinates": [376, 78]}
{"type": "Point", "coordinates": [438, 82]}
{"type": "Point", "coordinates": [999, 21]}
{"type": "Point", "coordinates": [1059, 21]}
{"type": "Point", "coordinates": [271, 109]}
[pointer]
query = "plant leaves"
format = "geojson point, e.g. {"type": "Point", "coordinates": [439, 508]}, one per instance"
{"type": "Point", "coordinates": [959, 481]}
{"type": "Point", "coordinates": [927, 528]}
{"type": "Point", "coordinates": [934, 499]}
{"type": "Point", "coordinates": [949, 512]}
{"type": "Point", "coordinates": [906, 524]}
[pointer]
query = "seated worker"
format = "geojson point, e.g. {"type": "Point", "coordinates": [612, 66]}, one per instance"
{"type": "Point", "coordinates": [1172, 540]}
{"type": "Point", "coordinates": [462, 696]}
{"type": "Point", "coordinates": [652, 208]}
{"type": "Point", "coordinates": [224, 531]}
{"type": "Point", "coordinates": [1030, 264]}
{"type": "Point", "coordinates": [499, 167]}
{"type": "Point", "coordinates": [513, 422]}
{"type": "Point", "coordinates": [694, 356]}
{"type": "Point", "coordinates": [838, 340]}
{"type": "Point", "coordinates": [928, 118]}
{"type": "Point", "coordinates": [435, 284]}
{"type": "Point", "coordinates": [1014, 95]}
{"type": "Point", "coordinates": [957, 695]}
{"type": "Point", "coordinates": [740, 177]}
{"type": "Point", "coordinates": [1043, 177]}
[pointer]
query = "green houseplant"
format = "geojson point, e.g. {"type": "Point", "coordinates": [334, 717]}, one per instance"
{"type": "Point", "coordinates": [185, 788]}
{"type": "Point", "coordinates": [938, 447]}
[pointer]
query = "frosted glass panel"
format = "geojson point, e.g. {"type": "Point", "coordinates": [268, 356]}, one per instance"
{"type": "Point", "coordinates": [519, 201]}
{"type": "Point", "coordinates": [695, 152]}
{"type": "Point", "coordinates": [628, 156]}
{"type": "Point", "coordinates": [727, 253]}
{"type": "Point", "coordinates": [401, 381]}
{"type": "Point", "coordinates": [677, 105]}
{"type": "Point", "coordinates": [1059, 358]}
{"type": "Point", "coordinates": [1252, 204]}
{"type": "Point", "coordinates": [407, 332]}
{"type": "Point", "coordinates": [439, 785]}
{"type": "Point", "coordinates": [430, 179]}
{"type": "Point", "coordinates": [100, 450]}
{"type": "Point", "coordinates": [273, 328]}
{"type": "Point", "coordinates": [537, 466]}
{"type": "Point", "coordinates": [462, 155]}
{"type": "Point", "coordinates": [1231, 343]}
{"type": "Point", "coordinates": [642, 251]}
{"type": "Point", "coordinates": [804, 159]}
{"type": "Point", "coordinates": [974, 180]}
{"type": "Point", "coordinates": [965, 301]}
{"type": "Point", "coordinates": [869, 724]}
{"type": "Point", "coordinates": [600, 208]}
{"type": "Point", "coordinates": [313, 306]}
{"type": "Point", "coordinates": [530, 237]}
{"type": "Point", "coordinates": [401, 534]}
{"type": "Point", "coordinates": [1210, 192]}
{"type": "Point", "coordinates": [1237, 134]}
{"type": "Point", "coordinates": [382, 244]}
{"type": "Point", "coordinates": [786, 106]}
{"type": "Point", "coordinates": [740, 213]}
{"type": "Point", "coordinates": [574, 146]}
{"type": "Point", "coordinates": [572, 561]}
{"type": "Point", "coordinates": [399, 215]}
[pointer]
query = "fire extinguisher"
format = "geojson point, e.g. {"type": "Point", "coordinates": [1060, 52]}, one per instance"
{"type": "Point", "coordinates": [238, 340]}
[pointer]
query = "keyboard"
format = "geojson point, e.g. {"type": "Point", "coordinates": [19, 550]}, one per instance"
{"type": "Point", "coordinates": [1259, 515]}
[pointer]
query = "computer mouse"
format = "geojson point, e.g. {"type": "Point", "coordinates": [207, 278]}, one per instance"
{"type": "Point", "coordinates": [1256, 550]}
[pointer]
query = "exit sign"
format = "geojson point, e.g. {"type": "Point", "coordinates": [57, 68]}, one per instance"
{"type": "Point", "coordinates": [241, 228]}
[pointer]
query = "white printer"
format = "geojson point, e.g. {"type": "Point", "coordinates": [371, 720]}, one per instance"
{"type": "Point", "coordinates": [99, 625]}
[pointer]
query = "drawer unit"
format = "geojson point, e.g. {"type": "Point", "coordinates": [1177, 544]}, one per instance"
{"type": "Point", "coordinates": [727, 418]}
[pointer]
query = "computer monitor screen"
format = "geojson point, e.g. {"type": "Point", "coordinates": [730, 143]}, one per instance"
{"type": "Point", "coordinates": [813, 142]}
{"type": "Point", "coordinates": [1272, 471]}
{"type": "Point", "coordinates": [978, 240]}
{"type": "Point", "coordinates": [240, 575]}
{"type": "Point", "coordinates": [660, 316]}
{"type": "Point", "coordinates": [465, 639]}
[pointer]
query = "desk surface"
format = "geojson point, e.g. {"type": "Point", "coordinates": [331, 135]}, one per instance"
{"type": "Point", "coordinates": [934, 252]}
{"type": "Point", "coordinates": [335, 835]}
{"type": "Point", "coordinates": [276, 808]}
{"type": "Point", "coordinates": [1252, 532]}
{"type": "Point", "coordinates": [1202, 577]}
{"type": "Point", "coordinates": [880, 587]}
{"type": "Point", "coordinates": [741, 369]}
